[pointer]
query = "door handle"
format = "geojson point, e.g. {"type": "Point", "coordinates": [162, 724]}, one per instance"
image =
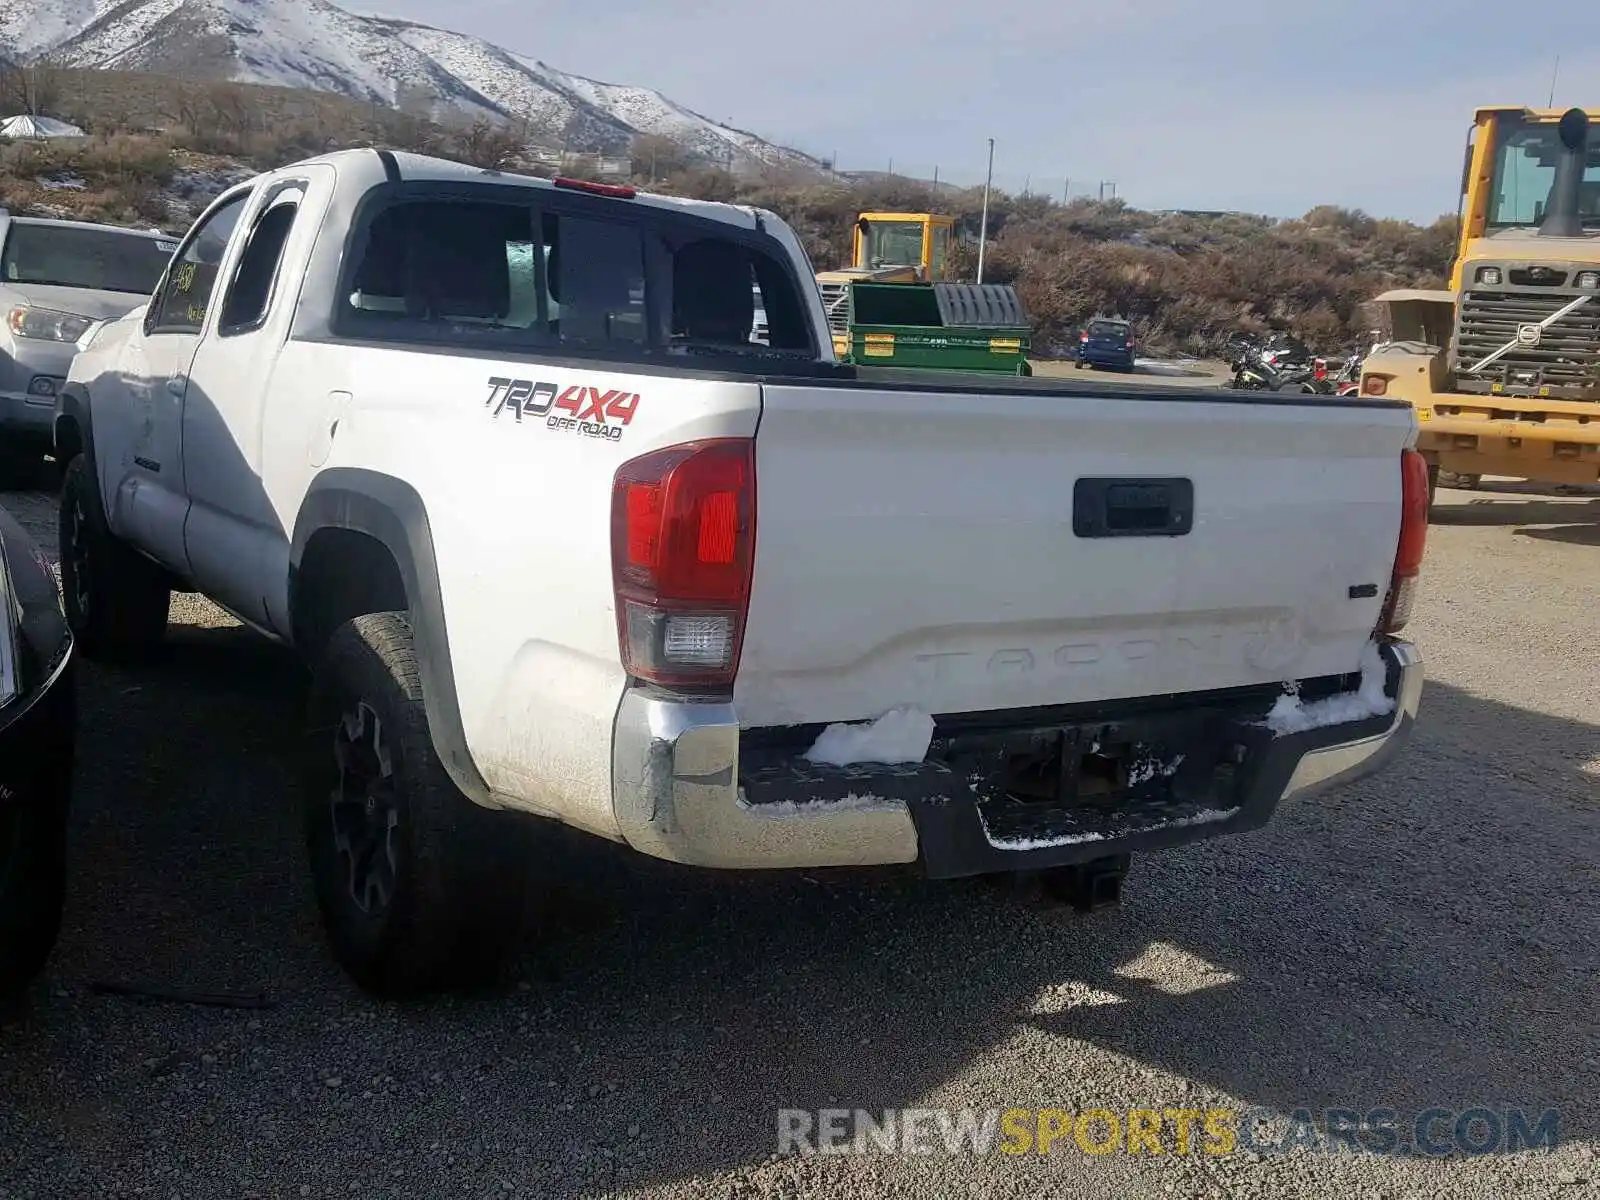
{"type": "Point", "coordinates": [1108, 508]}
{"type": "Point", "coordinates": [177, 385]}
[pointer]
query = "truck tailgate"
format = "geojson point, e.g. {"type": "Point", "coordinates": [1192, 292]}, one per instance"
{"type": "Point", "coordinates": [919, 547]}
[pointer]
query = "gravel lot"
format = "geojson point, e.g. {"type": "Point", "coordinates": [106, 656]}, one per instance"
{"type": "Point", "coordinates": [1426, 939]}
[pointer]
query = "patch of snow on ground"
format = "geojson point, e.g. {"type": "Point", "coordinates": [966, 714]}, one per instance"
{"type": "Point", "coordinates": [1166, 366]}
{"type": "Point", "coordinates": [901, 735]}
{"type": "Point", "coordinates": [1293, 715]}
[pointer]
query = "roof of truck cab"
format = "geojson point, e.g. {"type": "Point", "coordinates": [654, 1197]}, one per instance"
{"type": "Point", "coordinates": [424, 168]}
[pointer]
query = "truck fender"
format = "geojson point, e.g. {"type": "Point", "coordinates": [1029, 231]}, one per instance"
{"type": "Point", "coordinates": [390, 512]}
{"type": "Point", "coordinates": [72, 431]}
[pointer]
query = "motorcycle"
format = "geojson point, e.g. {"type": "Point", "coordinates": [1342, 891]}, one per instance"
{"type": "Point", "coordinates": [1257, 372]}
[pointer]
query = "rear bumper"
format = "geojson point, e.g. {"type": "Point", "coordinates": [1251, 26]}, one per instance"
{"type": "Point", "coordinates": [681, 791]}
{"type": "Point", "coordinates": [1106, 358]}
{"type": "Point", "coordinates": [1563, 452]}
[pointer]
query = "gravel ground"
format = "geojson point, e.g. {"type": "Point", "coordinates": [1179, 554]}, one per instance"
{"type": "Point", "coordinates": [1428, 938]}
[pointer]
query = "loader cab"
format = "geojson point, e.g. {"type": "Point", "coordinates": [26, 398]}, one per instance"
{"type": "Point", "coordinates": [1513, 157]}
{"type": "Point", "coordinates": [919, 242]}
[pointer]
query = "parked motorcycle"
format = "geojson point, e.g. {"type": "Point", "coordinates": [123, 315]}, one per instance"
{"type": "Point", "coordinates": [1257, 372]}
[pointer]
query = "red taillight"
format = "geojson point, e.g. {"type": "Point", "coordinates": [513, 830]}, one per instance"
{"type": "Point", "coordinates": [1413, 539]}
{"type": "Point", "coordinates": [683, 532]}
{"type": "Point", "coordinates": [1320, 370]}
{"type": "Point", "coordinates": [620, 191]}
{"type": "Point", "coordinates": [1083, 337]}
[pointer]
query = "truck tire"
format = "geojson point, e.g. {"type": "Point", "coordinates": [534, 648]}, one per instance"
{"type": "Point", "coordinates": [33, 887]}
{"type": "Point", "coordinates": [116, 600]}
{"type": "Point", "coordinates": [420, 889]}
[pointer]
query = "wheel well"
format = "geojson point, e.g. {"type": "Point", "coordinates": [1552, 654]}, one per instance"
{"type": "Point", "coordinates": [343, 574]}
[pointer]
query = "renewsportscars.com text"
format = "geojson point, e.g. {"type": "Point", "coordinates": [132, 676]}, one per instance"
{"type": "Point", "coordinates": [1155, 1131]}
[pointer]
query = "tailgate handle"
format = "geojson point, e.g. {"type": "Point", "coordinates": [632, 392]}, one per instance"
{"type": "Point", "coordinates": [1104, 508]}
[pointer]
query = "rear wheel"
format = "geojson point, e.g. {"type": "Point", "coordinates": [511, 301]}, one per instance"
{"type": "Point", "coordinates": [419, 888]}
{"type": "Point", "coordinates": [116, 600]}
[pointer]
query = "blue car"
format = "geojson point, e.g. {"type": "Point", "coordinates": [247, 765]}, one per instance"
{"type": "Point", "coordinates": [1106, 342]}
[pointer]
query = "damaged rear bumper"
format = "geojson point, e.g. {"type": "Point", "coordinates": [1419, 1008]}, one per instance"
{"type": "Point", "coordinates": [1015, 793]}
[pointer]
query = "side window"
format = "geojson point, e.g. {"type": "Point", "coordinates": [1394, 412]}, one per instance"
{"type": "Point", "coordinates": [595, 273]}
{"type": "Point", "coordinates": [186, 291]}
{"type": "Point", "coordinates": [718, 290]}
{"type": "Point", "coordinates": [445, 269]}
{"type": "Point", "coordinates": [245, 304]}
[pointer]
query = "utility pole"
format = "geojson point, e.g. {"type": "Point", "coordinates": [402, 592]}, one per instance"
{"type": "Point", "coordinates": [936, 179]}
{"type": "Point", "coordinates": [891, 167]}
{"type": "Point", "coordinates": [1066, 190]}
{"type": "Point", "coordinates": [983, 222]}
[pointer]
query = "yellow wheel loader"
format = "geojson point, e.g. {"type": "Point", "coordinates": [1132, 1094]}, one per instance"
{"type": "Point", "coordinates": [1503, 368]}
{"type": "Point", "coordinates": [888, 248]}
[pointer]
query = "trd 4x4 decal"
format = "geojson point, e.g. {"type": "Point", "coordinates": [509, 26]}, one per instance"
{"type": "Point", "coordinates": [595, 412]}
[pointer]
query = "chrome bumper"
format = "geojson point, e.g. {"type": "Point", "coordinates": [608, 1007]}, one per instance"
{"type": "Point", "coordinates": [676, 789]}
{"type": "Point", "coordinates": [1334, 766]}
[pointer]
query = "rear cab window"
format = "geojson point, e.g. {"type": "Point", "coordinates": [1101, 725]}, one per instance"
{"type": "Point", "coordinates": [519, 269]}
{"type": "Point", "coordinates": [1107, 329]}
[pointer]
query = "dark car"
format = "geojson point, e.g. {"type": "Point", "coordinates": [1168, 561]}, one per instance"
{"type": "Point", "coordinates": [1106, 342]}
{"type": "Point", "coordinates": [38, 728]}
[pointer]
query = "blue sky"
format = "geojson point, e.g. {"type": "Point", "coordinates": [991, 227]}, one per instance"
{"type": "Point", "coordinates": [1249, 104]}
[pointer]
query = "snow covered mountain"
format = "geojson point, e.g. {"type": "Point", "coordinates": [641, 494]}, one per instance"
{"type": "Point", "coordinates": [28, 26]}
{"type": "Point", "coordinates": [315, 44]}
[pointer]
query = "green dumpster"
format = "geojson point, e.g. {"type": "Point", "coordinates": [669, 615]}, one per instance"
{"type": "Point", "coordinates": [939, 326]}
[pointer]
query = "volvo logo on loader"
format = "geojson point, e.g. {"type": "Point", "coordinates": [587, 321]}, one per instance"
{"type": "Point", "coordinates": [1529, 335]}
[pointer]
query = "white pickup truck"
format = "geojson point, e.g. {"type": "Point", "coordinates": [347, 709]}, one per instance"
{"type": "Point", "coordinates": [557, 538]}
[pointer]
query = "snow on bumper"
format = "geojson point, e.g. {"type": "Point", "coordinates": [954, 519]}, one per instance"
{"type": "Point", "coordinates": [690, 787]}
